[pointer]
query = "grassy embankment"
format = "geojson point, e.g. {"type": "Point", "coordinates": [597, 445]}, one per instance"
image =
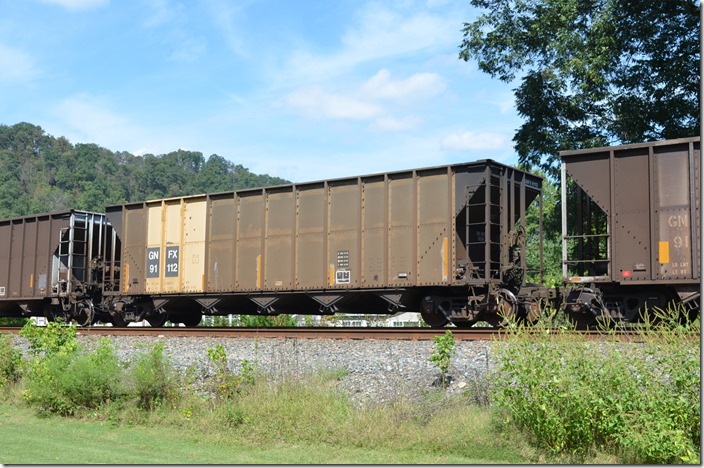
{"type": "Point", "coordinates": [555, 398]}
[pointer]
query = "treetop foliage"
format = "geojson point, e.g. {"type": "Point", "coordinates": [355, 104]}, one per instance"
{"type": "Point", "coordinates": [593, 72]}
{"type": "Point", "coordinates": [40, 173]}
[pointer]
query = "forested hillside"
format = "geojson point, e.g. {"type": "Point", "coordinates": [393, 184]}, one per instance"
{"type": "Point", "coordinates": [40, 173]}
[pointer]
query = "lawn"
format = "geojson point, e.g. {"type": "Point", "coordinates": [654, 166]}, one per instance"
{"type": "Point", "coordinates": [29, 439]}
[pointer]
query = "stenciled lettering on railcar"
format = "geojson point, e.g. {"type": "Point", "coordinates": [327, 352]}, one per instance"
{"type": "Point", "coordinates": [678, 221]}
{"type": "Point", "coordinates": [153, 257]}
{"type": "Point", "coordinates": [532, 183]}
{"type": "Point", "coordinates": [675, 233]}
{"type": "Point", "coordinates": [342, 275]}
{"type": "Point", "coordinates": [171, 262]}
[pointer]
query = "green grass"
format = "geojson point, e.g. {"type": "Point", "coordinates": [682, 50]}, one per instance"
{"type": "Point", "coordinates": [29, 439]}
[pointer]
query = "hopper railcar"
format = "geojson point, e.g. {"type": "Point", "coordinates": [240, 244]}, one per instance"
{"type": "Point", "coordinates": [444, 241]}
{"type": "Point", "coordinates": [631, 230]}
{"type": "Point", "coordinates": [54, 265]}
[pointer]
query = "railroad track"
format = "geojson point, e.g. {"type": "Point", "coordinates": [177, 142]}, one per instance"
{"type": "Point", "coordinates": [342, 333]}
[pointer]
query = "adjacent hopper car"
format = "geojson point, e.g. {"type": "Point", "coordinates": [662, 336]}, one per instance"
{"type": "Point", "coordinates": [448, 242]}
{"type": "Point", "coordinates": [631, 228]}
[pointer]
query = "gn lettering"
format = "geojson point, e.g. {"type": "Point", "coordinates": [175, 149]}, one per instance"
{"type": "Point", "coordinates": [677, 261]}
{"type": "Point", "coordinates": [171, 263]}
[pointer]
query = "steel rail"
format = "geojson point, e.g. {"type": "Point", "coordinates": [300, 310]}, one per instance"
{"type": "Point", "coordinates": [343, 333]}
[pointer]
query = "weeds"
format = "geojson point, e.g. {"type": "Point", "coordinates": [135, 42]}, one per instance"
{"type": "Point", "coordinates": [153, 379]}
{"type": "Point", "coordinates": [638, 400]}
{"type": "Point", "coordinates": [442, 354]}
{"type": "Point", "coordinates": [10, 362]}
{"type": "Point", "coordinates": [225, 384]}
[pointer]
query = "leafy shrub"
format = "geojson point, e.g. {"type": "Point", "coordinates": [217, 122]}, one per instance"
{"type": "Point", "coordinates": [442, 354]}
{"type": "Point", "coordinates": [225, 383]}
{"type": "Point", "coordinates": [67, 382]}
{"type": "Point", "coordinates": [10, 361]}
{"type": "Point", "coordinates": [93, 379]}
{"type": "Point", "coordinates": [50, 340]}
{"type": "Point", "coordinates": [640, 400]}
{"type": "Point", "coordinates": [153, 379]}
{"type": "Point", "coordinates": [51, 348]}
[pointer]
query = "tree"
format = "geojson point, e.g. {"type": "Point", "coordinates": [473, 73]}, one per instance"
{"type": "Point", "coordinates": [593, 72]}
{"type": "Point", "coordinates": [552, 242]}
{"type": "Point", "coordinates": [40, 173]}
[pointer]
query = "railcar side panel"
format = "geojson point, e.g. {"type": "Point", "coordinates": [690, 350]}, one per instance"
{"type": "Point", "coordinates": [155, 251]}
{"type": "Point", "coordinates": [194, 230]}
{"type": "Point", "coordinates": [374, 232]}
{"type": "Point", "coordinates": [672, 255]}
{"type": "Point", "coordinates": [5, 267]}
{"type": "Point", "coordinates": [221, 243]}
{"type": "Point", "coordinates": [134, 250]}
{"type": "Point", "coordinates": [29, 258]}
{"type": "Point", "coordinates": [17, 240]}
{"type": "Point", "coordinates": [250, 231]}
{"type": "Point", "coordinates": [343, 234]}
{"type": "Point", "coordinates": [311, 268]}
{"type": "Point", "coordinates": [631, 220]}
{"type": "Point", "coordinates": [279, 239]}
{"type": "Point", "coordinates": [435, 228]}
{"type": "Point", "coordinates": [402, 268]}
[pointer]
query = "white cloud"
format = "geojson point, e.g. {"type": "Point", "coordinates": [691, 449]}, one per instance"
{"type": "Point", "coordinates": [469, 141]}
{"type": "Point", "coordinates": [89, 119]}
{"type": "Point", "coordinates": [15, 65]}
{"type": "Point", "coordinates": [365, 101]}
{"type": "Point", "coordinates": [228, 17]}
{"type": "Point", "coordinates": [77, 5]}
{"type": "Point", "coordinates": [380, 33]}
{"type": "Point", "coordinates": [314, 101]}
{"type": "Point", "coordinates": [418, 85]}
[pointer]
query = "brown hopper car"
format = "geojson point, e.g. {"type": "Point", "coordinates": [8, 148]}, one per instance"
{"type": "Point", "coordinates": [52, 265]}
{"type": "Point", "coordinates": [413, 240]}
{"type": "Point", "coordinates": [631, 227]}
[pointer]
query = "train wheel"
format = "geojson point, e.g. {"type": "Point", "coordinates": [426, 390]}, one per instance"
{"type": "Point", "coordinates": [580, 318]}
{"type": "Point", "coordinates": [533, 312]}
{"type": "Point", "coordinates": [192, 320]}
{"type": "Point", "coordinates": [117, 320]}
{"type": "Point", "coordinates": [431, 315]}
{"type": "Point", "coordinates": [158, 319]}
{"type": "Point", "coordinates": [84, 314]}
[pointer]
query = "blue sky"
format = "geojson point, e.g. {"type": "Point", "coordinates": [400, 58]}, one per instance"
{"type": "Point", "coordinates": [300, 89]}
